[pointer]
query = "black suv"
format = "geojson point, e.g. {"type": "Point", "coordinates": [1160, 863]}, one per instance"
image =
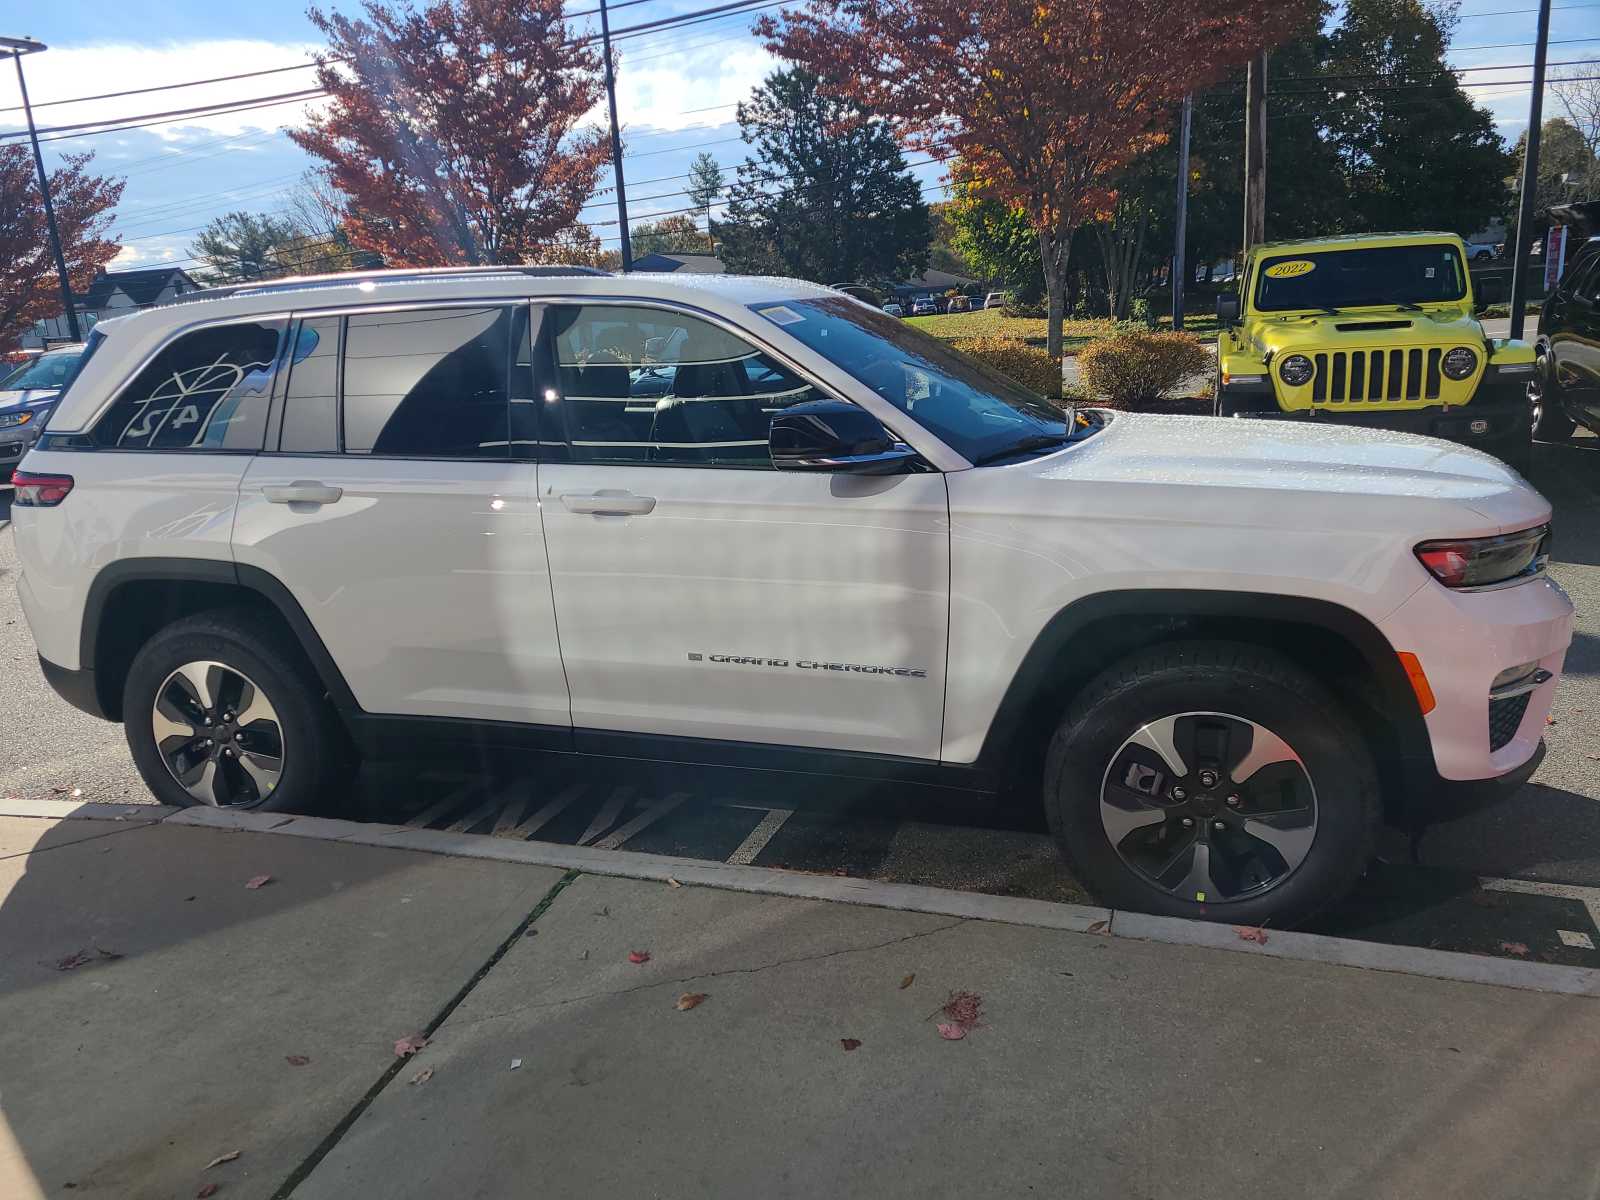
{"type": "Point", "coordinates": [1566, 386]}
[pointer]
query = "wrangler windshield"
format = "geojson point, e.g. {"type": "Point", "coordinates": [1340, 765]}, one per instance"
{"type": "Point", "coordinates": [1357, 278]}
{"type": "Point", "coordinates": [976, 411]}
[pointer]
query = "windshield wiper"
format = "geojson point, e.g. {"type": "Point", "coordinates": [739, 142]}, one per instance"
{"type": "Point", "coordinates": [1407, 306]}
{"type": "Point", "coordinates": [1330, 310]}
{"type": "Point", "coordinates": [1044, 441]}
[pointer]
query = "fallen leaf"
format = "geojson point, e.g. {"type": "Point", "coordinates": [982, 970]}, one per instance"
{"type": "Point", "coordinates": [516, 1065]}
{"type": "Point", "coordinates": [638, 956]}
{"type": "Point", "coordinates": [108, 955]}
{"type": "Point", "coordinates": [222, 1158]}
{"type": "Point", "coordinates": [1549, 720]}
{"type": "Point", "coordinates": [952, 1032]}
{"type": "Point", "coordinates": [73, 961]}
{"type": "Point", "coordinates": [260, 881]}
{"type": "Point", "coordinates": [1593, 757]}
{"type": "Point", "coordinates": [849, 1043]}
{"type": "Point", "coordinates": [210, 1189]}
{"type": "Point", "coordinates": [1518, 948]}
{"type": "Point", "coordinates": [296, 1060]}
{"type": "Point", "coordinates": [406, 1046]}
{"type": "Point", "coordinates": [690, 1000]}
{"type": "Point", "coordinates": [1251, 933]}
{"type": "Point", "coordinates": [584, 957]}
{"type": "Point", "coordinates": [530, 932]}
{"type": "Point", "coordinates": [1099, 927]}
{"type": "Point", "coordinates": [963, 1009]}
{"type": "Point", "coordinates": [907, 981]}
{"type": "Point", "coordinates": [671, 882]}
{"type": "Point", "coordinates": [423, 1075]}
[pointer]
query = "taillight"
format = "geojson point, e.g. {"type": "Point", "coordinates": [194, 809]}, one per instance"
{"type": "Point", "coordinates": [39, 491]}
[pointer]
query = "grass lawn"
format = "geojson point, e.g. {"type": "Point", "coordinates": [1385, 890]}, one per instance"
{"type": "Point", "coordinates": [1076, 334]}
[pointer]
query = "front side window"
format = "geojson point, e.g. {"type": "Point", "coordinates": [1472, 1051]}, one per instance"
{"type": "Point", "coordinates": [652, 385]}
{"type": "Point", "coordinates": [207, 390]}
{"type": "Point", "coordinates": [978, 412]}
{"type": "Point", "coordinates": [427, 383]}
{"type": "Point", "coordinates": [1331, 280]}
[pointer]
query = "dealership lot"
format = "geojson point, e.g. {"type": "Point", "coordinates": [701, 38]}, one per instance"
{"type": "Point", "coordinates": [1520, 880]}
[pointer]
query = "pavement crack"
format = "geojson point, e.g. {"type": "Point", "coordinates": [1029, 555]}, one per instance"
{"type": "Point", "coordinates": [681, 980]}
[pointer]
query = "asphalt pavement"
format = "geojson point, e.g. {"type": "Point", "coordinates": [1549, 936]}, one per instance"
{"type": "Point", "coordinates": [1520, 879]}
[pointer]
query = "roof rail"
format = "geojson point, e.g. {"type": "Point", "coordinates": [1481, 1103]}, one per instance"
{"type": "Point", "coordinates": [345, 279]}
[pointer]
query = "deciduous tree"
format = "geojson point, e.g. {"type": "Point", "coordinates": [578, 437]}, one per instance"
{"type": "Point", "coordinates": [1045, 100]}
{"type": "Point", "coordinates": [827, 195]}
{"type": "Point", "coordinates": [677, 234]}
{"type": "Point", "coordinates": [30, 290]}
{"type": "Point", "coordinates": [454, 129]}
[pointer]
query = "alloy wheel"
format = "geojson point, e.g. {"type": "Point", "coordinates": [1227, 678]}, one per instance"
{"type": "Point", "coordinates": [1209, 807]}
{"type": "Point", "coordinates": [218, 734]}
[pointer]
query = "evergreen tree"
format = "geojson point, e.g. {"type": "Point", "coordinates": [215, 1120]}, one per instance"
{"type": "Point", "coordinates": [827, 196]}
{"type": "Point", "coordinates": [705, 185]}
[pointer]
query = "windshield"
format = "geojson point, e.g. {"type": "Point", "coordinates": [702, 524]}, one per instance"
{"type": "Point", "coordinates": [52, 370]}
{"type": "Point", "coordinates": [976, 411]}
{"type": "Point", "coordinates": [1357, 278]}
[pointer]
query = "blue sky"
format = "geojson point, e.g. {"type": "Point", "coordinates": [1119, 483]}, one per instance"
{"type": "Point", "coordinates": [676, 91]}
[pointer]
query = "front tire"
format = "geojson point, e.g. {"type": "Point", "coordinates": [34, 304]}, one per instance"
{"type": "Point", "coordinates": [1550, 421]}
{"type": "Point", "coordinates": [222, 709]}
{"type": "Point", "coordinates": [1212, 780]}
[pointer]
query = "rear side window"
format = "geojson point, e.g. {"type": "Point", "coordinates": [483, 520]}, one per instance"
{"type": "Point", "coordinates": [311, 397]}
{"type": "Point", "coordinates": [428, 383]}
{"type": "Point", "coordinates": [207, 390]}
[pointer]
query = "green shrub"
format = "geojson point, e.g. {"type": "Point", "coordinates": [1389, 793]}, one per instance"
{"type": "Point", "coordinates": [1135, 368]}
{"type": "Point", "coordinates": [1028, 365]}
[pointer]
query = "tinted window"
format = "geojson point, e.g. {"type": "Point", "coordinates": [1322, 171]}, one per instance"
{"type": "Point", "coordinates": [976, 411]}
{"type": "Point", "coordinates": [208, 390]}
{"type": "Point", "coordinates": [657, 386]}
{"type": "Point", "coordinates": [427, 382]}
{"type": "Point", "coordinates": [1355, 278]}
{"type": "Point", "coordinates": [311, 398]}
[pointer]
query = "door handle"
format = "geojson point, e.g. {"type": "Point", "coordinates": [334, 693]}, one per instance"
{"type": "Point", "coordinates": [302, 491]}
{"type": "Point", "coordinates": [608, 502]}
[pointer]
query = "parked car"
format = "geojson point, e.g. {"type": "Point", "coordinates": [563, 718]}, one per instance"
{"type": "Point", "coordinates": [1565, 391]}
{"type": "Point", "coordinates": [959, 304]}
{"type": "Point", "coordinates": [924, 306]}
{"type": "Point", "coordinates": [894, 309]}
{"type": "Point", "coordinates": [307, 517]}
{"type": "Point", "coordinates": [1480, 252]}
{"type": "Point", "coordinates": [27, 396]}
{"type": "Point", "coordinates": [1375, 330]}
{"type": "Point", "coordinates": [995, 300]}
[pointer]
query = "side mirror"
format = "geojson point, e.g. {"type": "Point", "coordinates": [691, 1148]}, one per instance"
{"type": "Point", "coordinates": [831, 435]}
{"type": "Point", "coordinates": [1228, 309]}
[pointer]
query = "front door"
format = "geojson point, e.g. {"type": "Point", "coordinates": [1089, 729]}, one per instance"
{"type": "Point", "coordinates": [701, 593]}
{"type": "Point", "coordinates": [391, 505]}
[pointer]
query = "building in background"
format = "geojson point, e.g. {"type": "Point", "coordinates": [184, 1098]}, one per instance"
{"type": "Point", "coordinates": [112, 294]}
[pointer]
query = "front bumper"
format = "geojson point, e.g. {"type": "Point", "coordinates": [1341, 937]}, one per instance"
{"type": "Point", "coordinates": [11, 452]}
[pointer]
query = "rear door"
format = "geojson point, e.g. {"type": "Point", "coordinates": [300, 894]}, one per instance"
{"type": "Point", "coordinates": [701, 593]}
{"type": "Point", "coordinates": [390, 503]}
{"type": "Point", "coordinates": [1575, 338]}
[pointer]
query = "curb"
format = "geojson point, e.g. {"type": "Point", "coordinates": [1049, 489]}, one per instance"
{"type": "Point", "coordinates": [770, 881]}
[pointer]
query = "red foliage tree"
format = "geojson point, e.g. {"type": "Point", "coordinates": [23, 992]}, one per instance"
{"type": "Point", "coordinates": [29, 288]}
{"type": "Point", "coordinates": [1045, 101]}
{"type": "Point", "coordinates": [452, 130]}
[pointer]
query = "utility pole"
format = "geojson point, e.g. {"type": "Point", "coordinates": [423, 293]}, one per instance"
{"type": "Point", "coordinates": [1530, 177]}
{"type": "Point", "coordinates": [616, 142]}
{"type": "Point", "coordinates": [1181, 237]}
{"type": "Point", "coordinates": [19, 47]}
{"type": "Point", "coordinates": [1255, 152]}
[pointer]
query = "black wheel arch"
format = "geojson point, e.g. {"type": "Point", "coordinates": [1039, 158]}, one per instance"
{"type": "Point", "coordinates": [131, 598]}
{"type": "Point", "coordinates": [1334, 643]}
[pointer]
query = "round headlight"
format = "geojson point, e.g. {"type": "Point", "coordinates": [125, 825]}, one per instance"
{"type": "Point", "coordinates": [1296, 370]}
{"type": "Point", "coordinates": [1460, 362]}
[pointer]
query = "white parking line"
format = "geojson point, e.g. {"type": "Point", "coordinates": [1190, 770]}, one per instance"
{"type": "Point", "coordinates": [759, 837]}
{"type": "Point", "coordinates": [1589, 897]}
{"type": "Point", "coordinates": [609, 811]}
{"type": "Point", "coordinates": [642, 822]}
{"type": "Point", "coordinates": [439, 808]}
{"type": "Point", "coordinates": [548, 813]}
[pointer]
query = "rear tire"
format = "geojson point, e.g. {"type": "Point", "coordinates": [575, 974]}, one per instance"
{"type": "Point", "coordinates": [1280, 850]}
{"type": "Point", "coordinates": [243, 719]}
{"type": "Point", "coordinates": [1550, 421]}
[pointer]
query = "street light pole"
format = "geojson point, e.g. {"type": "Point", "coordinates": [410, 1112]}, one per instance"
{"type": "Point", "coordinates": [19, 47]}
{"type": "Point", "coordinates": [1181, 237]}
{"type": "Point", "coordinates": [1530, 177]}
{"type": "Point", "coordinates": [616, 142]}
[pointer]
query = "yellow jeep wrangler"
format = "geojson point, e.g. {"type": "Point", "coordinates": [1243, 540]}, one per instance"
{"type": "Point", "coordinates": [1376, 330]}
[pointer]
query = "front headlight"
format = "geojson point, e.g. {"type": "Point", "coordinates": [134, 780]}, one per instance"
{"type": "Point", "coordinates": [1460, 362]}
{"type": "Point", "coordinates": [1296, 370]}
{"type": "Point", "coordinates": [1485, 562]}
{"type": "Point", "coordinates": [12, 420]}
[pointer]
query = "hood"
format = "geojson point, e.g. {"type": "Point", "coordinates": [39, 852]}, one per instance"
{"type": "Point", "coordinates": [15, 396]}
{"type": "Point", "coordinates": [1583, 218]}
{"type": "Point", "coordinates": [1315, 474]}
{"type": "Point", "coordinates": [1368, 327]}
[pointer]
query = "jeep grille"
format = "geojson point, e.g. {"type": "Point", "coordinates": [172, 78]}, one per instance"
{"type": "Point", "coordinates": [1370, 376]}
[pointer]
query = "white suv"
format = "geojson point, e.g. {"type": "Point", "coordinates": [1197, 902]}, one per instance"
{"type": "Point", "coordinates": [754, 521]}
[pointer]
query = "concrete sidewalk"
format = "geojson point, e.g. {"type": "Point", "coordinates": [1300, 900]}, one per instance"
{"type": "Point", "coordinates": [1098, 1067]}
